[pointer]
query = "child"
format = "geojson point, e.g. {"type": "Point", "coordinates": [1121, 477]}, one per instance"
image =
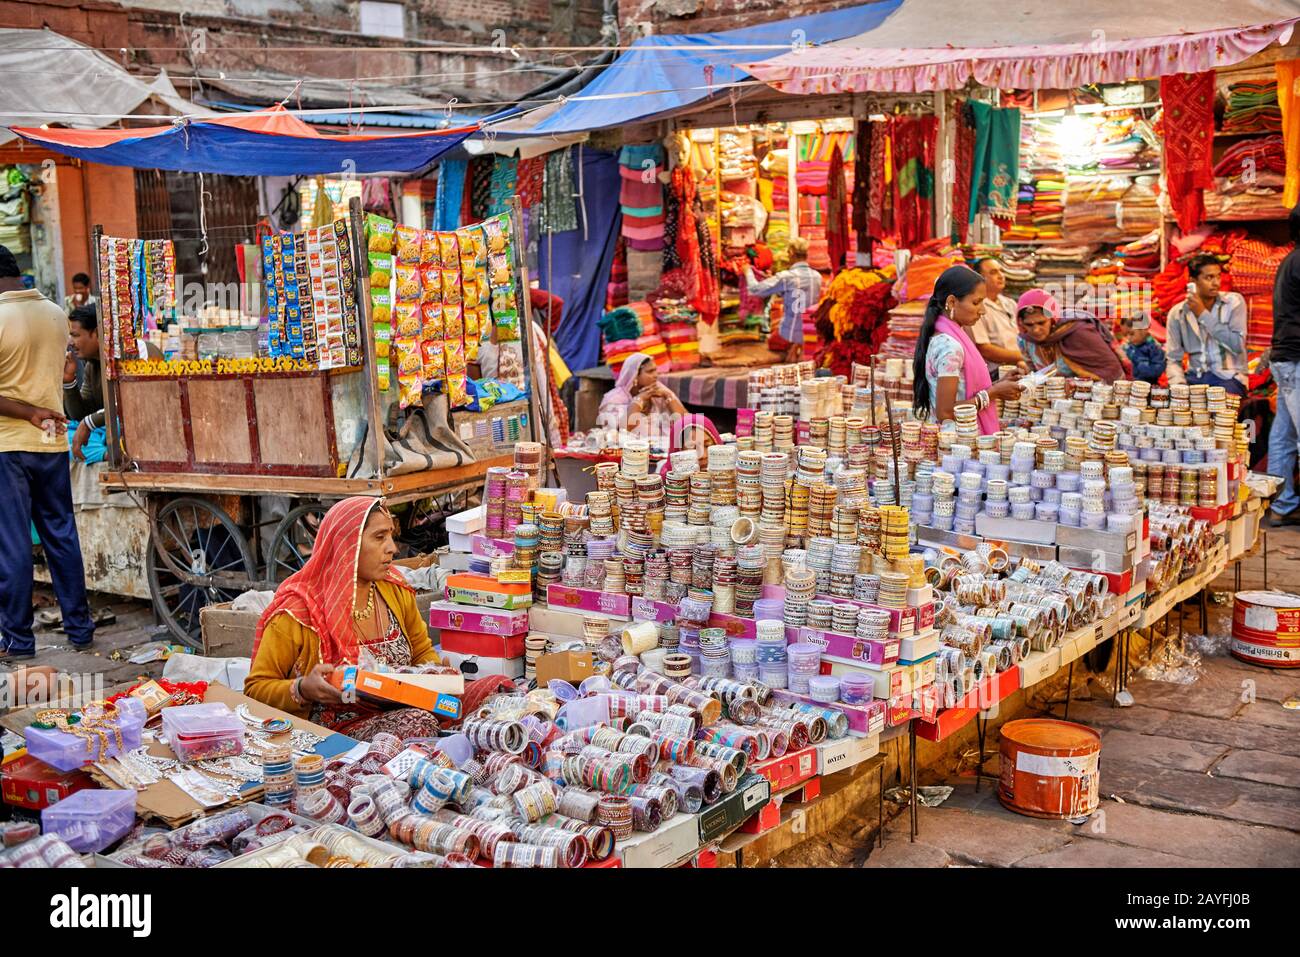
{"type": "Point", "coordinates": [1143, 351]}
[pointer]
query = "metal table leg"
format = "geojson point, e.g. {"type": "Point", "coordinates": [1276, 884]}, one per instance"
{"type": "Point", "coordinates": [1264, 534]}
{"type": "Point", "coordinates": [1205, 611]}
{"type": "Point", "coordinates": [911, 736]}
{"type": "Point", "coordinates": [1069, 688]}
{"type": "Point", "coordinates": [880, 809]}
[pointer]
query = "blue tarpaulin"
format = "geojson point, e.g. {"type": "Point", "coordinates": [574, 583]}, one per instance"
{"type": "Point", "coordinates": [576, 268]}
{"type": "Point", "coordinates": [267, 143]}
{"type": "Point", "coordinates": [660, 74]}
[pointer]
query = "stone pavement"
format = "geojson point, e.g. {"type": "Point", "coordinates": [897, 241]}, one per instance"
{"type": "Point", "coordinates": [114, 643]}
{"type": "Point", "coordinates": [1205, 775]}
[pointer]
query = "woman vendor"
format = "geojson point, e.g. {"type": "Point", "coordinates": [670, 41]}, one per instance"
{"type": "Point", "coordinates": [695, 433]}
{"type": "Point", "coordinates": [639, 402]}
{"type": "Point", "coordinates": [347, 598]}
{"type": "Point", "coordinates": [948, 367]}
{"type": "Point", "coordinates": [1078, 345]}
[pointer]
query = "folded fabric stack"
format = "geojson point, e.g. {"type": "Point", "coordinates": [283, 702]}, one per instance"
{"type": "Point", "coordinates": [1255, 164]}
{"type": "Point", "coordinates": [1057, 263]}
{"type": "Point", "coordinates": [1023, 227]}
{"type": "Point", "coordinates": [1140, 259]}
{"type": "Point", "coordinates": [1048, 208]}
{"type": "Point", "coordinates": [1264, 204]}
{"type": "Point", "coordinates": [616, 293]}
{"type": "Point", "coordinates": [1252, 107]}
{"type": "Point", "coordinates": [1020, 267]}
{"type": "Point", "coordinates": [618, 352]}
{"type": "Point", "coordinates": [904, 330]}
{"type": "Point", "coordinates": [1098, 208]}
{"type": "Point", "coordinates": [676, 321]}
{"type": "Point", "coordinates": [917, 282]}
{"type": "Point", "coordinates": [621, 323]}
{"type": "Point", "coordinates": [642, 196]}
{"type": "Point", "coordinates": [778, 233]}
{"type": "Point", "coordinates": [1259, 320]}
{"type": "Point", "coordinates": [736, 159]}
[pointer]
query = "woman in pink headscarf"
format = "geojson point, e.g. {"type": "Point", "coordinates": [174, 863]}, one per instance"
{"type": "Point", "coordinates": [948, 368]}
{"type": "Point", "coordinates": [638, 399]}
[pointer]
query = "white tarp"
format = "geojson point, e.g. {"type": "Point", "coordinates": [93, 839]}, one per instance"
{"type": "Point", "coordinates": [50, 78]}
{"type": "Point", "coordinates": [1043, 44]}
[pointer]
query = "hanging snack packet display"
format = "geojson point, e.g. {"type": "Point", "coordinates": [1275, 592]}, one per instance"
{"type": "Point", "coordinates": [410, 371]}
{"type": "Point", "coordinates": [379, 259]}
{"type": "Point", "coordinates": [501, 278]}
{"type": "Point", "coordinates": [435, 366]}
{"type": "Point", "coordinates": [139, 293]}
{"type": "Point", "coordinates": [457, 383]}
{"type": "Point", "coordinates": [348, 287]}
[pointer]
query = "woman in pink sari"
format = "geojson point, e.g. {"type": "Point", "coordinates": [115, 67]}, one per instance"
{"type": "Point", "coordinates": [948, 369]}
{"type": "Point", "coordinates": [639, 400]}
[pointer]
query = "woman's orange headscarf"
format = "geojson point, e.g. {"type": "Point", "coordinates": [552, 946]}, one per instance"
{"type": "Point", "coordinates": [321, 595]}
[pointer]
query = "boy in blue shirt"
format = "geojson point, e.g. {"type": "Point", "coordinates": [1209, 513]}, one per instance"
{"type": "Point", "coordinates": [1143, 351]}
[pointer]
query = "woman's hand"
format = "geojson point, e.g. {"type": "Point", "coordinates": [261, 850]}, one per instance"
{"type": "Point", "coordinates": [315, 686]}
{"type": "Point", "coordinates": [1005, 388]}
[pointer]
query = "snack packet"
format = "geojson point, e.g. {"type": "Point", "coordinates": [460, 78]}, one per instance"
{"type": "Point", "coordinates": [407, 320]}
{"type": "Point", "coordinates": [431, 284]}
{"type": "Point", "coordinates": [451, 295]}
{"type": "Point", "coordinates": [379, 234]}
{"type": "Point", "coordinates": [381, 271]}
{"type": "Point", "coordinates": [455, 353]}
{"type": "Point", "coordinates": [431, 325]}
{"type": "Point", "coordinates": [408, 283]}
{"type": "Point", "coordinates": [381, 308]}
{"type": "Point", "coordinates": [408, 244]}
{"type": "Point", "coordinates": [430, 254]}
{"type": "Point", "coordinates": [435, 367]}
{"type": "Point", "coordinates": [453, 322]}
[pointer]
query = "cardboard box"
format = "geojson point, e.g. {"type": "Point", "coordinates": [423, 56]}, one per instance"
{"type": "Point", "coordinates": [469, 521]}
{"type": "Point", "coordinates": [874, 654]}
{"type": "Point", "coordinates": [436, 693]}
{"type": "Point", "coordinates": [726, 815]}
{"type": "Point", "coordinates": [646, 609]}
{"type": "Point", "coordinates": [789, 769]}
{"type": "Point", "coordinates": [1016, 530]}
{"type": "Point", "coordinates": [476, 666]}
{"type": "Point", "coordinates": [484, 591]}
{"type": "Point", "coordinates": [568, 624]}
{"type": "Point", "coordinates": [1069, 649]}
{"type": "Point", "coordinates": [33, 784]}
{"type": "Point", "coordinates": [765, 820]}
{"type": "Point", "coordinates": [902, 621]}
{"type": "Point", "coordinates": [484, 547]}
{"type": "Point", "coordinates": [864, 719]}
{"type": "Point", "coordinates": [456, 617]}
{"type": "Point", "coordinates": [1039, 666]}
{"type": "Point", "coordinates": [918, 648]}
{"type": "Point", "coordinates": [920, 597]}
{"type": "Point", "coordinates": [584, 599]}
{"type": "Point", "coordinates": [844, 753]}
{"type": "Point", "coordinates": [676, 838]}
{"type": "Point", "coordinates": [570, 666]}
{"type": "Point", "coordinates": [486, 646]}
{"type": "Point", "coordinates": [894, 681]}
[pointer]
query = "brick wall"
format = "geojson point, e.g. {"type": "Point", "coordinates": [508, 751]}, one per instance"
{"type": "Point", "coordinates": [706, 16]}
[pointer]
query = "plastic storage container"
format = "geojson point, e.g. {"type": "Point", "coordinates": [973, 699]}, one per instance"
{"type": "Point", "coordinates": [91, 820]}
{"type": "Point", "coordinates": [197, 732]}
{"type": "Point", "coordinates": [68, 752]}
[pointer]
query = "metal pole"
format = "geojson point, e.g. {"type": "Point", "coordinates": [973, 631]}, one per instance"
{"type": "Point", "coordinates": [911, 736]}
{"type": "Point", "coordinates": [376, 431]}
{"type": "Point", "coordinates": [880, 806]}
{"type": "Point", "coordinates": [526, 334]}
{"type": "Point", "coordinates": [1069, 687]}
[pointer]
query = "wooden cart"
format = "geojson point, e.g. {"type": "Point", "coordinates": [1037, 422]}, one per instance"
{"type": "Point", "coordinates": [202, 453]}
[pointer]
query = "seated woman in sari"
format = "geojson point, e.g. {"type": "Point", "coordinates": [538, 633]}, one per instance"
{"type": "Point", "coordinates": [348, 599]}
{"type": "Point", "coordinates": [639, 403]}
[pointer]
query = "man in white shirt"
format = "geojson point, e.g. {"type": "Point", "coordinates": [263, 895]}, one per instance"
{"type": "Point", "coordinates": [995, 331]}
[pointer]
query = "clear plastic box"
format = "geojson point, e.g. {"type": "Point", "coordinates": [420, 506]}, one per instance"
{"type": "Point", "coordinates": [198, 732]}
{"type": "Point", "coordinates": [68, 752]}
{"type": "Point", "coordinates": [91, 820]}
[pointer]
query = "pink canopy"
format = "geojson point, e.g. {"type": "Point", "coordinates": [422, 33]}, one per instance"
{"type": "Point", "coordinates": [936, 45]}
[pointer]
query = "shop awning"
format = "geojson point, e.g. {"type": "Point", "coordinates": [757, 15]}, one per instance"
{"type": "Point", "coordinates": [50, 78]}
{"type": "Point", "coordinates": [924, 46]}
{"type": "Point", "coordinates": [270, 142]}
{"type": "Point", "coordinates": [663, 74]}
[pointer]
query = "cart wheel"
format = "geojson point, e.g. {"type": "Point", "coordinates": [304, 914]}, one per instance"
{"type": "Point", "coordinates": [293, 539]}
{"type": "Point", "coordinates": [197, 556]}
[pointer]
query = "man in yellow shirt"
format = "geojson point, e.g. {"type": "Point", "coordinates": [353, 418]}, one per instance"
{"type": "Point", "coordinates": [34, 484]}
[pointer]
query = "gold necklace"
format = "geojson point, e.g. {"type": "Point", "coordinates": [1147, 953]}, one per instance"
{"type": "Point", "coordinates": [370, 606]}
